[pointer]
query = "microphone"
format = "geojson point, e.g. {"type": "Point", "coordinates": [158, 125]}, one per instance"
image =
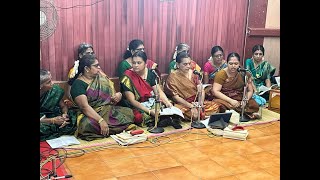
{"type": "Point", "coordinates": [154, 72]}
{"type": "Point", "coordinates": [242, 69]}
{"type": "Point", "coordinates": [197, 73]}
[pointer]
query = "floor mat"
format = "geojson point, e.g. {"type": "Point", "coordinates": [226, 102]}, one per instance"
{"type": "Point", "coordinates": [100, 144]}
{"type": "Point", "coordinates": [266, 117]}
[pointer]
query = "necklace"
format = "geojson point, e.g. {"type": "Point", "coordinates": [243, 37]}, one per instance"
{"type": "Point", "coordinates": [85, 79]}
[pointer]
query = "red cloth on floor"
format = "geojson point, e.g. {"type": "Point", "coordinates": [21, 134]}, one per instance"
{"type": "Point", "coordinates": [45, 149]}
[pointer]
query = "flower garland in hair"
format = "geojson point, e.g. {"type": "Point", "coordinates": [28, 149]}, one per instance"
{"type": "Point", "coordinates": [74, 70]}
{"type": "Point", "coordinates": [175, 53]}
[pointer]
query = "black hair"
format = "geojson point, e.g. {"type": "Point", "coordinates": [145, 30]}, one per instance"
{"type": "Point", "coordinates": [86, 60]}
{"type": "Point", "coordinates": [258, 47]}
{"type": "Point", "coordinates": [133, 45]}
{"type": "Point", "coordinates": [233, 54]}
{"type": "Point", "coordinates": [182, 55]}
{"type": "Point", "coordinates": [141, 54]}
{"type": "Point", "coordinates": [216, 49]}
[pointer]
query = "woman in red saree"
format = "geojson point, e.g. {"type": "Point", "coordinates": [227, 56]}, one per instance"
{"type": "Point", "coordinates": [228, 88]}
{"type": "Point", "coordinates": [139, 87]}
{"type": "Point", "coordinates": [182, 86]}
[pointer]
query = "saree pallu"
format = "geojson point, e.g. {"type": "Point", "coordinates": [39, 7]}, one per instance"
{"type": "Point", "coordinates": [99, 93]}
{"type": "Point", "coordinates": [263, 71]}
{"type": "Point", "coordinates": [49, 106]}
{"type": "Point", "coordinates": [132, 82]}
{"type": "Point", "coordinates": [233, 88]}
{"type": "Point", "coordinates": [215, 70]}
{"type": "Point", "coordinates": [178, 84]}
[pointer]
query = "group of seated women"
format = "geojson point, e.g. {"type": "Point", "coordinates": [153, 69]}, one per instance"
{"type": "Point", "coordinates": [98, 111]}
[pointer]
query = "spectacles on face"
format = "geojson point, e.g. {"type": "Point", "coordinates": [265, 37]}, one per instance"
{"type": "Point", "coordinates": [95, 65]}
{"type": "Point", "coordinates": [186, 50]}
{"type": "Point", "coordinates": [218, 56]}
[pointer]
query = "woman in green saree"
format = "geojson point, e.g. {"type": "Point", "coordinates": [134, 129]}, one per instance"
{"type": "Point", "coordinates": [134, 46]}
{"type": "Point", "coordinates": [55, 117]}
{"type": "Point", "coordinates": [94, 98]}
{"type": "Point", "coordinates": [262, 71]}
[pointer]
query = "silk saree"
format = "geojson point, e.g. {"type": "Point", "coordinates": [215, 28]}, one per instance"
{"type": "Point", "coordinates": [99, 93]}
{"type": "Point", "coordinates": [233, 87]}
{"type": "Point", "coordinates": [143, 93]}
{"type": "Point", "coordinates": [178, 84]}
{"type": "Point", "coordinates": [49, 106]}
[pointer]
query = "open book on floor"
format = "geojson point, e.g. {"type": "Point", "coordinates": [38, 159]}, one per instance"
{"type": "Point", "coordinates": [63, 141]}
{"type": "Point", "coordinates": [171, 111]}
{"type": "Point", "coordinates": [263, 89]}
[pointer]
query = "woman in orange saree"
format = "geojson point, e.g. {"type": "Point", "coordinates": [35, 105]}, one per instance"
{"type": "Point", "coordinates": [228, 88]}
{"type": "Point", "coordinates": [182, 86]}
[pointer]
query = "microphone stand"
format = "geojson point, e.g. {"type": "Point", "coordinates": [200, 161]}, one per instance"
{"type": "Point", "coordinates": [198, 124]}
{"type": "Point", "coordinates": [244, 99]}
{"type": "Point", "coordinates": [156, 129]}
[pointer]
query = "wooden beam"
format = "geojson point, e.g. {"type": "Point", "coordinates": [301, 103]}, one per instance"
{"type": "Point", "coordinates": [265, 32]}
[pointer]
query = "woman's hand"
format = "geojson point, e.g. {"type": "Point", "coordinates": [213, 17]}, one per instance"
{"type": "Point", "coordinates": [194, 113]}
{"type": "Point", "coordinates": [235, 103]}
{"type": "Point", "coordinates": [61, 120]}
{"type": "Point", "coordinates": [116, 97]}
{"type": "Point", "coordinates": [104, 128]}
{"type": "Point", "coordinates": [168, 104]}
{"type": "Point", "coordinates": [244, 102]}
{"type": "Point", "coordinates": [65, 115]}
{"type": "Point", "coordinates": [152, 112]}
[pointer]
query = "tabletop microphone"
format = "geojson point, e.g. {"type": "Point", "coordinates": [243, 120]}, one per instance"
{"type": "Point", "coordinates": [154, 72]}
{"type": "Point", "coordinates": [242, 69]}
{"type": "Point", "coordinates": [197, 73]}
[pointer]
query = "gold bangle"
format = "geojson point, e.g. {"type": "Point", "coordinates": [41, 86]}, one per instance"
{"type": "Point", "coordinates": [100, 120]}
{"type": "Point", "coordinates": [149, 112]}
{"type": "Point", "coordinates": [52, 120]}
